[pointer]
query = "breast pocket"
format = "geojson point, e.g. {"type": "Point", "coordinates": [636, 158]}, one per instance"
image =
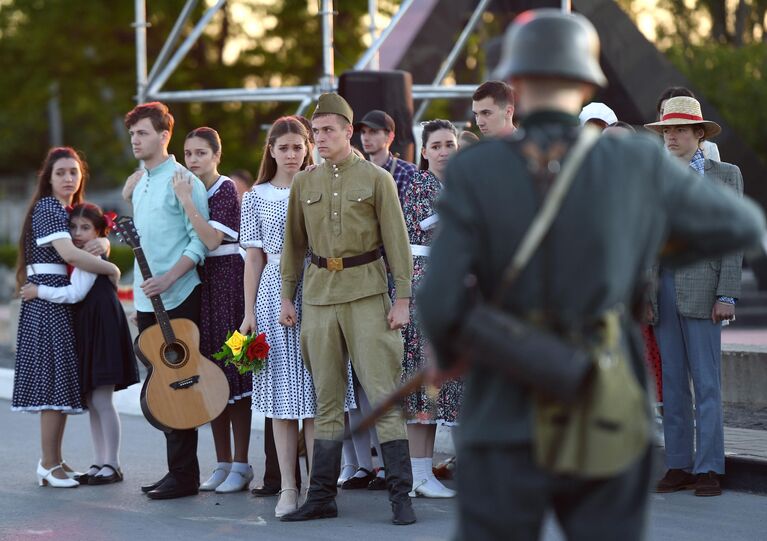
{"type": "Point", "coordinates": [312, 204]}
{"type": "Point", "coordinates": [364, 195]}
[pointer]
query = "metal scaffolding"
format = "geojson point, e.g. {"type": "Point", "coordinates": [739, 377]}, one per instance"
{"type": "Point", "coordinates": [149, 87]}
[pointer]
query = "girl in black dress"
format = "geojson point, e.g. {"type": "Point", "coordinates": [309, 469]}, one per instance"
{"type": "Point", "coordinates": [104, 347]}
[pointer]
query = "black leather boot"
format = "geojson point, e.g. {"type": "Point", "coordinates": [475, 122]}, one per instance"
{"type": "Point", "coordinates": [399, 480]}
{"type": "Point", "coordinates": [321, 500]}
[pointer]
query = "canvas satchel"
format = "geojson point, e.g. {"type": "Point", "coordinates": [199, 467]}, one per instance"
{"type": "Point", "coordinates": [590, 413]}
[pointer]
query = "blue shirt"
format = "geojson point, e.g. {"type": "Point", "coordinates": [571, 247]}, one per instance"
{"type": "Point", "coordinates": [166, 232]}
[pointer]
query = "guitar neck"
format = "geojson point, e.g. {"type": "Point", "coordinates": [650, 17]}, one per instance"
{"type": "Point", "coordinates": [159, 308]}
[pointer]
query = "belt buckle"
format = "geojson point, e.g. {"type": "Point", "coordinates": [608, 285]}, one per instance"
{"type": "Point", "coordinates": [335, 263]}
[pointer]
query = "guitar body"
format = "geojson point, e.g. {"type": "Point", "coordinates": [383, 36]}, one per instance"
{"type": "Point", "coordinates": [183, 389]}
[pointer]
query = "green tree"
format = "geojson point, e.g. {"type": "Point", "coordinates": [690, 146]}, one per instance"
{"type": "Point", "coordinates": [725, 59]}
{"type": "Point", "coordinates": [87, 50]}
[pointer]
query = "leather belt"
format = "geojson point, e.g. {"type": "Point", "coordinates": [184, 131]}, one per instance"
{"type": "Point", "coordinates": [341, 263]}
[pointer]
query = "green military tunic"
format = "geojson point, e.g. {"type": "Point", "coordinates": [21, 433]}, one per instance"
{"type": "Point", "coordinates": [344, 210]}
{"type": "Point", "coordinates": [627, 198]}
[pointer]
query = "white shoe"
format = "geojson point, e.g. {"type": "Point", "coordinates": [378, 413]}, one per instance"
{"type": "Point", "coordinates": [287, 503]}
{"type": "Point", "coordinates": [45, 477]}
{"type": "Point", "coordinates": [430, 487]}
{"type": "Point", "coordinates": [236, 481]}
{"type": "Point", "coordinates": [219, 476]}
{"type": "Point", "coordinates": [346, 473]}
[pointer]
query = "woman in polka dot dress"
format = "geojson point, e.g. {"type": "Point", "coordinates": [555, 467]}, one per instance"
{"type": "Point", "coordinates": [222, 301]}
{"type": "Point", "coordinates": [284, 389]}
{"type": "Point", "coordinates": [46, 376]}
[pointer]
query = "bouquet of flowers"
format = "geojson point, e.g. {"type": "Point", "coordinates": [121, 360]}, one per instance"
{"type": "Point", "coordinates": [246, 352]}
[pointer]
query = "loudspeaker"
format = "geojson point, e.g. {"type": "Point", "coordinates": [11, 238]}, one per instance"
{"type": "Point", "coordinates": [389, 91]}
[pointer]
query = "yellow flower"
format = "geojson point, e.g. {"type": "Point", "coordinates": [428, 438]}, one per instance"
{"type": "Point", "coordinates": [235, 342]}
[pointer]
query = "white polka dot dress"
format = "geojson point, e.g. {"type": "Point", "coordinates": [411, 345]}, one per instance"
{"type": "Point", "coordinates": [46, 373]}
{"type": "Point", "coordinates": [284, 389]}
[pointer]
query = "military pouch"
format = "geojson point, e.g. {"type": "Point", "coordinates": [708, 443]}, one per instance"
{"type": "Point", "coordinates": [605, 430]}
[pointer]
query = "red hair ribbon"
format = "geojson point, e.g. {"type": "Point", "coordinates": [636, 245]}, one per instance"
{"type": "Point", "coordinates": [69, 209]}
{"type": "Point", "coordinates": [109, 218]}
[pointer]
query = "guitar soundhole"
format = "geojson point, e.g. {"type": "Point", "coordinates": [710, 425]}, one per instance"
{"type": "Point", "coordinates": [174, 354]}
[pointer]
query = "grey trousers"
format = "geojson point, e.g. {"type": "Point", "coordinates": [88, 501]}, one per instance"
{"type": "Point", "coordinates": [503, 495]}
{"type": "Point", "coordinates": [690, 349]}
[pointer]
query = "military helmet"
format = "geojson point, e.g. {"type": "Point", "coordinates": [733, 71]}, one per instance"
{"type": "Point", "coordinates": [551, 43]}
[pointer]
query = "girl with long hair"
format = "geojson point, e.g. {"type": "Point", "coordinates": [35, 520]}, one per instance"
{"type": "Point", "coordinates": [222, 301]}
{"type": "Point", "coordinates": [46, 374]}
{"type": "Point", "coordinates": [283, 390]}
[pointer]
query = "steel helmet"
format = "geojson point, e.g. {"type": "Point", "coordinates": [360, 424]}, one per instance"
{"type": "Point", "coordinates": [551, 43]}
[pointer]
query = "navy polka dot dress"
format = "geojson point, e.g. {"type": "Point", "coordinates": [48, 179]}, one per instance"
{"type": "Point", "coordinates": [46, 375]}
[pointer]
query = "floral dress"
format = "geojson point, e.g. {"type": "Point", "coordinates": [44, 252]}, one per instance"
{"type": "Point", "coordinates": [418, 207]}
{"type": "Point", "coordinates": [46, 373]}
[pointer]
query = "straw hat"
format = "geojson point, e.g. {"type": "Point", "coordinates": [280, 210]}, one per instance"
{"type": "Point", "coordinates": [681, 111]}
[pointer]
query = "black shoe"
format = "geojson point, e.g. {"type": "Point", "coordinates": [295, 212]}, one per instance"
{"type": "Point", "coordinates": [399, 480]}
{"type": "Point", "coordinates": [265, 491]}
{"type": "Point", "coordinates": [152, 486]}
{"type": "Point", "coordinates": [354, 483]}
{"type": "Point", "coordinates": [83, 478]}
{"type": "Point", "coordinates": [171, 489]}
{"type": "Point", "coordinates": [115, 477]}
{"type": "Point", "coordinates": [378, 483]}
{"type": "Point", "coordinates": [321, 500]}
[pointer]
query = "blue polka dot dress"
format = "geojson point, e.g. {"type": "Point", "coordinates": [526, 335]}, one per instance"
{"type": "Point", "coordinates": [284, 389]}
{"type": "Point", "coordinates": [46, 375]}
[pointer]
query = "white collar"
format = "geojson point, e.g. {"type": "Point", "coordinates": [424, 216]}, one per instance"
{"type": "Point", "coordinates": [268, 192]}
{"type": "Point", "coordinates": [213, 189]}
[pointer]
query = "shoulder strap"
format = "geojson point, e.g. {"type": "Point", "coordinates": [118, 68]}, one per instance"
{"type": "Point", "coordinates": [393, 166]}
{"type": "Point", "coordinates": [543, 220]}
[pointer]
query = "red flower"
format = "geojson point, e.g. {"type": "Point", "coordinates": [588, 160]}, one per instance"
{"type": "Point", "coordinates": [258, 348]}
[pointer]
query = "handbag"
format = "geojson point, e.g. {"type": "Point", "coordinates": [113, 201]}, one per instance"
{"type": "Point", "coordinates": [589, 411]}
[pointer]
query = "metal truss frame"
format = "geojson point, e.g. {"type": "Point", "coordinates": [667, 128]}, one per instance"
{"type": "Point", "coordinates": [150, 85]}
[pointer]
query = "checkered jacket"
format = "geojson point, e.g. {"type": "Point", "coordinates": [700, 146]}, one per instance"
{"type": "Point", "coordinates": [700, 284]}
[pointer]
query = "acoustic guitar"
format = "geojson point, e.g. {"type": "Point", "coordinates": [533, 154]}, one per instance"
{"type": "Point", "coordinates": [183, 389]}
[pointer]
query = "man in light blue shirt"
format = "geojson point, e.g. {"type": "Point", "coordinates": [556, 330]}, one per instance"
{"type": "Point", "coordinates": [173, 250]}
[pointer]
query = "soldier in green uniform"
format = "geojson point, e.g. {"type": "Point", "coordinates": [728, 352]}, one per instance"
{"type": "Point", "coordinates": [344, 212]}
{"type": "Point", "coordinates": [627, 200]}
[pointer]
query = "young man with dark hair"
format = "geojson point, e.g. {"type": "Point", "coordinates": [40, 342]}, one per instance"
{"type": "Point", "coordinates": [493, 107]}
{"type": "Point", "coordinates": [173, 250]}
{"type": "Point", "coordinates": [377, 132]}
{"type": "Point", "coordinates": [689, 308]}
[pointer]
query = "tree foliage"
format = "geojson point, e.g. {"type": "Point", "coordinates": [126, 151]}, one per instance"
{"type": "Point", "coordinates": [721, 46]}
{"type": "Point", "coordinates": [87, 50]}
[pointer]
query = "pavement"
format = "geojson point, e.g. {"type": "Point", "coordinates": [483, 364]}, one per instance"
{"type": "Point", "coordinates": [120, 512]}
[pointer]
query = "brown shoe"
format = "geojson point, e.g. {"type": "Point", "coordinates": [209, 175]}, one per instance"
{"type": "Point", "coordinates": [675, 480]}
{"type": "Point", "coordinates": [708, 484]}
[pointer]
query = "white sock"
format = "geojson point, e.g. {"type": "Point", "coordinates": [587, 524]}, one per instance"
{"type": "Point", "coordinates": [241, 467]}
{"type": "Point", "coordinates": [360, 474]}
{"type": "Point", "coordinates": [416, 464]}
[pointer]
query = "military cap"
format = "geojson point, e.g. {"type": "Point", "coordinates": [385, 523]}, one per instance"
{"type": "Point", "coordinates": [550, 43]}
{"type": "Point", "coordinates": [330, 102]}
